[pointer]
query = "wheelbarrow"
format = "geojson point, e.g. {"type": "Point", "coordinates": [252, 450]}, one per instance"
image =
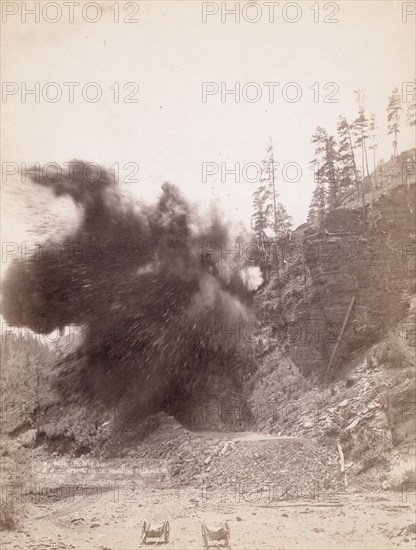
{"type": "Point", "coordinates": [158, 533]}
{"type": "Point", "coordinates": [216, 537]}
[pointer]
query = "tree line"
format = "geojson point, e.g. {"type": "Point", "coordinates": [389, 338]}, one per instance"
{"type": "Point", "coordinates": [270, 217]}
{"type": "Point", "coordinates": [342, 163]}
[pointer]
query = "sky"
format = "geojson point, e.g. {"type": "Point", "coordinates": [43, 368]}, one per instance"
{"type": "Point", "coordinates": [170, 133]}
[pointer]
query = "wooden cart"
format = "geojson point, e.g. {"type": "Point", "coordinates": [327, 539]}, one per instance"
{"type": "Point", "coordinates": [219, 537]}
{"type": "Point", "coordinates": [158, 533]}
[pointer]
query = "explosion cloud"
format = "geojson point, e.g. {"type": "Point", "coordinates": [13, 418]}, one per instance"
{"type": "Point", "coordinates": [152, 304]}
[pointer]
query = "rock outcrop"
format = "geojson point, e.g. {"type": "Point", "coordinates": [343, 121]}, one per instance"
{"type": "Point", "coordinates": [370, 258]}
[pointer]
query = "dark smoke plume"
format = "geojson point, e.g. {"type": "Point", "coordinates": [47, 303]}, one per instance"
{"type": "Point", "coordinates": [152, 305]}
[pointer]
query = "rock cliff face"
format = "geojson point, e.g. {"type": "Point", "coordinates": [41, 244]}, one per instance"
{"type": "Point", "coordinates": [361, 261]}
{"type": "Point", "coordinates": [370, 262]}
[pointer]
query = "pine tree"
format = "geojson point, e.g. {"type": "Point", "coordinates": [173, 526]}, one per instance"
{"type": "Point", "coordinates": [262, 218]}
{"type": "Point", "coordinates": [372, 131]}
{"type": "Point", "coordinates": [284, 224]}
{"type": "Point", "coordinates": [319, 138]}
{"type": "Point", "coordinates": [277, 217]}
{"type": "Point", "coordinates": [326, 158]}
{"type": "Point", "coordinates": [393, 118]}
{"type": "Point", "coordinates": [330, 169]}
{"type": "Point", "coordinates": [318, 204]}
{"type": "Point", "coordinates": [269, 177]}
{"type": "Point", "coordinates": [360, 130]}
{"type": "Point", "coordinates": [317, 207]}
{"type": "Point", "coordinates": [348, 174]}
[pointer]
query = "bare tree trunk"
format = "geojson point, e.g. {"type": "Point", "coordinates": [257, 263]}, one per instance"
{"type": "Point", "coordinates": [344, 324]}
{"type": "Point", "coordinates": [368, 173]}
{"type": "Point", "coordinates": [274, 198]}
{"type": "Point", "coordinates": [366, 159]}
{"type": "Point", "coordinates": [275, 219]}
{"type": "Point", "coordinates": [362, 161]}
{"type": "Point", "coordinates": [357, 179]}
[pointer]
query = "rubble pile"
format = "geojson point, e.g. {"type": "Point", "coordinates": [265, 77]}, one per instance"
{"type": "Point", "coordinates": [288, 468]}
{"type": "Point", "coordinates": [291, 467]}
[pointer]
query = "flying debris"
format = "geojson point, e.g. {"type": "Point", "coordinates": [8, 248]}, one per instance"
{"type": "Point", "coordinates": [134, 278]}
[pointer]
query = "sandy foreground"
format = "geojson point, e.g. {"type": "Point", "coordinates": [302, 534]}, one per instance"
{"type": "Point", "coordinates": [106, 510]}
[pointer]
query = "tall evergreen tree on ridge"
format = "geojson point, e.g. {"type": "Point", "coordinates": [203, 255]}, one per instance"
{"type": "Point", "coordinates": [393, 118]}
{"type": "Point", "coordinates": [326, 173]}
{"type": "Point", "coordinates": [372, 131]}
{"type": "Point", "coordinates": [261, 219]}
{"type": "Point", "coordinates": [269, 178]}
{"type": "Point", "coordinates": [330, 169]}
{"type": "Point", "coordinates": [317, 206]}
{"type": "Point", "coordinates": [348, 173]}
{"type": "Point", "coordinates": [360, 130]}
{"type": "Point", "coordinates": [269, 213]}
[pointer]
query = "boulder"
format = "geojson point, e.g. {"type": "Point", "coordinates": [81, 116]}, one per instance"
{"type": "Point", "coordinates": [28, 438]}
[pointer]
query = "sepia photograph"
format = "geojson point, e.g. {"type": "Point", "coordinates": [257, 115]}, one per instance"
{"type": "Point", "coordinates": [208, 275]}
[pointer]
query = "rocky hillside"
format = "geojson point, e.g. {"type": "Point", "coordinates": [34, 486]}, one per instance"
{"type": "Point", "coordinates": [356, 270]}
{"type": "Point", "coordinates": [370, 261]}
{"type": "Point", "coordinates": [338, 320]}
